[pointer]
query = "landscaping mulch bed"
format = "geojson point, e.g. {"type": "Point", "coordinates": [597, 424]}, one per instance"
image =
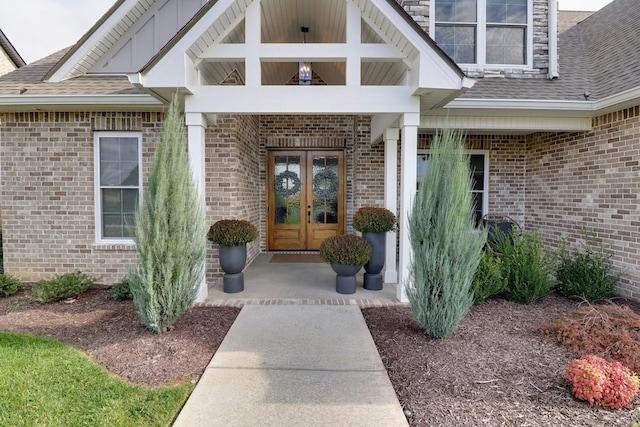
{"type": "Point", "coordinates": [111, 333]}
{"type": "Point", "coordinates": [496, 370]}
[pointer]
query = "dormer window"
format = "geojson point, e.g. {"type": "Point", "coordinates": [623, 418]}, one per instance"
{"type": "Point", "coordinates": [483, 32]}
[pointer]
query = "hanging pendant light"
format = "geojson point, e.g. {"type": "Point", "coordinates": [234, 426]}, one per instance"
{"type": "Point", "coordinates": [305, 74]}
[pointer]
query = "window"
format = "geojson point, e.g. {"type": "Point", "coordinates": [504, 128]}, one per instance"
{"type": "Point", "coordinates": [118, 184]}
{"type": "Point", "coordinates": [483, 32]}
{"type": "Point", "coordinates": [479, 166]}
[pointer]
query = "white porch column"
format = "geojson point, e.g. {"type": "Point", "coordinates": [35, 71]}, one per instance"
{"type": "Point", "coordinates": [408, 153]}
{"type": "Point", "coordinates": [390, 138]}
{"type": "Point", "coordinates": [196, 126]}
{"type": "Point", "coordinates": [252, 70]}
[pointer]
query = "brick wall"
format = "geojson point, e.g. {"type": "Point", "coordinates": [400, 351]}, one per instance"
{"type": "Point", "coordinates": [232, 169]}
{"type": "Point", "coordinates": [506, 171]}
{"type": "Point", "coordinates": [419, 10]}
{"type": "Point", "coordinates": [590, 181]}
{"type": "Point", "coordinates": [48, 192]}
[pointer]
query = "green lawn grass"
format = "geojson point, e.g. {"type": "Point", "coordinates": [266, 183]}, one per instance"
{"type": "Point", "coordinates": [46, 383]}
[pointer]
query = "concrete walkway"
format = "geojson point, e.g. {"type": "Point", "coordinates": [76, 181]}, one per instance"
{"type": "Point", "coordinates": [295, 365]}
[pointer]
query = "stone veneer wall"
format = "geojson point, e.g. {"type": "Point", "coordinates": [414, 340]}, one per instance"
{"type": "Point", "coordinates": [48, 192]}
{"type": "Point", "coordinates": [419, 10]}
{"type": "Point", "coordinates": [590, 180]}
{"type": "Point", "coordinates": [232, 168]}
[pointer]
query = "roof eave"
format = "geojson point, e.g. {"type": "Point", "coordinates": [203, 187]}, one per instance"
{"type": "Point", "coordinates": [79, 102]}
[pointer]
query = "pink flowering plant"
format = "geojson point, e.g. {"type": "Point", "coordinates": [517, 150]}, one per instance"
{"type": "Point", "coordinates": [602, 383]}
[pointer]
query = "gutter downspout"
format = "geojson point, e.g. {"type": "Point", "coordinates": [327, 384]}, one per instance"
{"type": "Point", "coordinates": [553, 40]}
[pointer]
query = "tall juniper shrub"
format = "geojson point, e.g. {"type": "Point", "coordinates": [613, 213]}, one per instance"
{"type": "Point", "coordinates": [170, 233]}
{"type": "Point", "coordinates": [446, 246]}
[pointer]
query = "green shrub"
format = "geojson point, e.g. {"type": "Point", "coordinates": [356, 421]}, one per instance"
{"type": "Point", "coordinates": [374, 220]}
{"type": "Point", "coordinates": [488, 280]}
{"type": "Point", "coordinates": [9, 285]}
{"type": "Point", "coordinates": [121, 290]}
{"type": "Point", "coordinates": [526, 267]}
{"type": "Point", "coordinates": [585, 274]}
{"type": "Point", "coordinates": [446, 246]}
{"type": "Point", "coordinates": [346, 249]}
{"type": "Point", "coordinates": [61, 286]}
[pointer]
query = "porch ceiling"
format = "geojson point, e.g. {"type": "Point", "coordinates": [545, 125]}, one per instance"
{"type": "Point", "coordinates": [281, 22]}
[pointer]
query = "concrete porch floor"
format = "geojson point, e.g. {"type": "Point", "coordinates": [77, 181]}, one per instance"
{"type": "Point", "coordinates": [297, 283]}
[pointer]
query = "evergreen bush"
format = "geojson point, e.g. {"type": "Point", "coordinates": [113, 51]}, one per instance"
{"type": "Point", "coordinates": [488, 280]}
{"type": "Point", "coordinates": [121, 290]}
{"type": "Point", "coordinates": [170, 232]}
{"type": "Point", "coordinates": [61, 286]}
{"type": "Point", "coordinates": [526, 267]}
{"type": "Point", "coordinates": [586, 274]}
{"type": "Point", "coordinates": [9, 285]}
{"type": "Point", "coordinates": [446, 246]}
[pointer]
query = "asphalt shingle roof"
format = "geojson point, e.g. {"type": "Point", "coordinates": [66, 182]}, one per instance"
{"type": "Point", "coordinates": [30, 78]}
{"type": "Point", "coordinates": [600, 55]}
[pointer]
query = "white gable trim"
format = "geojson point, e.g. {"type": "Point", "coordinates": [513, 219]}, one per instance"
{"type": "Point", "coordinates": [427, 67]}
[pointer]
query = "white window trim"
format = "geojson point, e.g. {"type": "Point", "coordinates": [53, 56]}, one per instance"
{"type": "Point", "coordinates": [481, 48]}
{"type": "Point", "coordinates": [96, 183]}
{"type": "Point", "coordinates": [485, 193]}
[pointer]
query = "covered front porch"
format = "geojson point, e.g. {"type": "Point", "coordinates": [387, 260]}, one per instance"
{"type": "Point", "coordinates": [295, 280]}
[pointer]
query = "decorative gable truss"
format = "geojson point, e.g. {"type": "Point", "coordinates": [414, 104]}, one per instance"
{"type": "Point", "coordinates": [375, 59]}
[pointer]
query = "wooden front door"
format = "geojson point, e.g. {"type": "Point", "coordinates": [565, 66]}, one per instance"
{"type": "Point", "coordinates": [306, 198]}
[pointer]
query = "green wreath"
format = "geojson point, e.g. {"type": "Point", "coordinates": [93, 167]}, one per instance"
{"type": "Point", "coordinates": [325, 184]}
{"type": "Point", "coordinates": [286, 177]}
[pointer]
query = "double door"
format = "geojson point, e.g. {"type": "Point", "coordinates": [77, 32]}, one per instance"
{"type": "Point", "coordinates": [306, 198]}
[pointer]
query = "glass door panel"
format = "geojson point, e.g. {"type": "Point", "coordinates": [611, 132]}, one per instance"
{"type": "Point", "coordinates": [326, 184]}
{"type": "Point", "coordinates": [286, 189]}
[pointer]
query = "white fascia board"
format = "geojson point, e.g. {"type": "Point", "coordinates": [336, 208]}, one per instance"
{"type": "Point", "coordinates": [520, 104]}
{"type": "Point", "coordinates": [284, 52]}
{"type": "Point", "coordinates": [501, 124]}
{"type": "Point", "coordinates": [618, 101]}
{"type": "Point", "coordinates": [86, 47]}
{"type": "Point", "coordinates": [78, 100]}
{"type": "Point", "coordinates": [302, 100]}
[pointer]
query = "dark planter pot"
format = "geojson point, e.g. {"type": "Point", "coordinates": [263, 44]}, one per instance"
{"type": "Point", "coordinates": [233, 259]}
{"type": "Point", "coordinates": [346, 278]}
{"type": "Point", "coordinates": [373, 277]}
